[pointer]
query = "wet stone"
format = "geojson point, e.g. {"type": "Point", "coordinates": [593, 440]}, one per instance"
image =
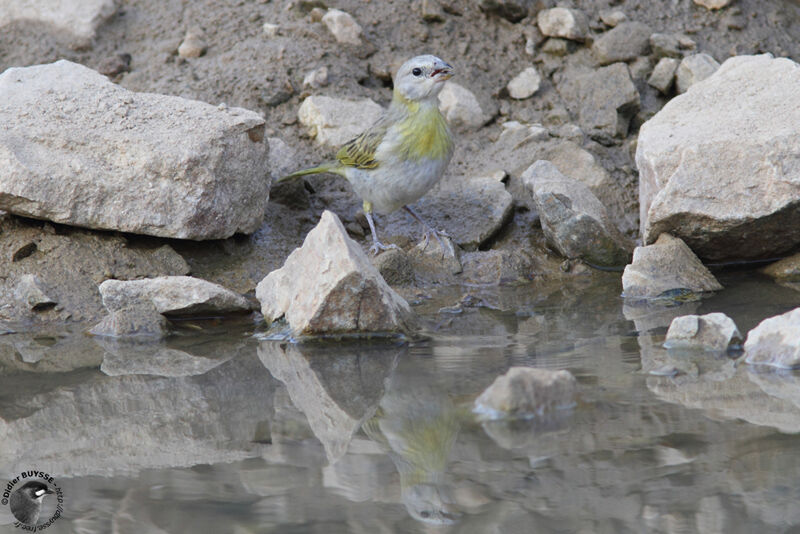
{"type": "Point", "coordinates": [775, 342]}
{"type": "Point", "coordinates": [714, 331]}
{"type": "Point", "coordinates": [525, 392]}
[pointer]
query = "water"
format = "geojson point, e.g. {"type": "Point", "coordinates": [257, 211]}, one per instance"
{"type": "Point", "coordinates": [219, 431]}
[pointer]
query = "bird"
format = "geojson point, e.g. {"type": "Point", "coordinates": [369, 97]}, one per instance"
{"type": "Point", "coordinates": [400, 157]}
{"type": "Point", "coordinates": [26, 502]}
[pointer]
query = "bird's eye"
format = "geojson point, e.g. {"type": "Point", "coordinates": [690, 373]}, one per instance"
{"type": "Point", "coordinates": [417, 71]}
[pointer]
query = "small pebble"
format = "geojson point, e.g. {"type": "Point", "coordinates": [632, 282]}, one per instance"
{"type": "Point", "coordinates": [270, 30]}
{"type": "Point", "coordinates": [194, 44]}
{"type": "Point", "coordinates": [343, 26]}
{"type": "Point", "coordinates": [524, 84]}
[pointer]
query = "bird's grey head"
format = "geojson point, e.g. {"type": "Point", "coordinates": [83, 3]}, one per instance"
{"type": "Point", "coordinates": [35, 490]}
{"type": "Point", "coordinates": [422, 77]}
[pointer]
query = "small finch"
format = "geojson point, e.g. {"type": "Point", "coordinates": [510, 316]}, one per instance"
{"type": "Point", "coordinates": [404, 154]}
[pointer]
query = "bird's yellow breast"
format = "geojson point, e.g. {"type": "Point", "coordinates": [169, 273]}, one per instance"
{"type": "Point", "coordinates": [424, 134]}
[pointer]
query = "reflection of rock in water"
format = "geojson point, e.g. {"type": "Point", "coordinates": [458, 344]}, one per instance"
{"type": "Point", "coordinates": [337, 386]}
{"type": "Point", "coordinates": [417, 426]}
{"type": "Point", "coordinates": [135, 357]}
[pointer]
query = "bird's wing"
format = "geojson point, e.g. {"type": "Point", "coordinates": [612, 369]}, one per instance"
{"type": "Point", "coordinates": [360, 152]}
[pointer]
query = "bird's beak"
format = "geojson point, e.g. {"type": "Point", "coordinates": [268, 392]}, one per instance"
{"type": "Point", "coordinates": [442, 72]}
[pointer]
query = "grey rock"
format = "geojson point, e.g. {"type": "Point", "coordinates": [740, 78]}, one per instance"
{"type": "Point", "coordinates": [526, 391]}
{"type": "Point", "coordinates": [432, 11]}
{"type": "Point", "coordinates": [714, 164]}
{"type": "Point", "coordinates": [317, 78]}
{"type": "Point", "coordinates": [282, 158]}
{"type": "Point", "coordinates": [461, 108]}
{"type": "Point", "coordinates": [395, 266]}
{"type": "Point", "coordinates": [713, 331]}
{"type": "Point", "coordinates": [775, 341]}
{"type": "Point", "coordinates": [613, 17]}
{"type": "Point", "coordinates": [31, 292]}
{"type": "Point", "coordinates": [343, 26]}
{"type": "Point", "coordinates": [562, 22]}
{"type": "Point", "coordinates": [176, 295]}
{"type": "Point", "coordinates": [524, 84]}
{"type": "Point", "coordinates": [786, 270]}
{"type": "Point", "coordinates": [557, 47]}
{"type": "Point", "coordinates": [496, 267]}
{"type": "Point", "coordinates": [139, 319]}
{"type": "Point", "coordinates": [623, 43]}
{"type": "Point", "coordinates": [334, 121]}
{"type": "Point", "coordinates": [693, 69]}
{"type": "Point", "coordinates": [663, 74]}
{"type": "Point", "coordinates": [665, 45]}
{"type": "Point", "coordinates": [512, 10]}
{"type": "Point", "coordinates": [80, 150]}
{"type": "Point", "coordinates": [604, 100]}
{"type": "Point", "coordinates": [663, 268]}
{"type": "Point", "coordinates": [573, 220]}
{"type": "Point", "coordinates": [80, 19]}
{"type": "Point", "coordinates": [429, 256]}
{"type": "Point", "coordinates": [193, 44]}
{"type": "Point", "coordinates": [329, 286]}
{"type": "Point", "coordinates": [712, 4]}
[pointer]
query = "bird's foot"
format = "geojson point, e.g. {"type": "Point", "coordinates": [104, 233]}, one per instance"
{"type": "Point", "coordinates": [378, 247]}
{"type": "Point", "coordinates": [438, 234]}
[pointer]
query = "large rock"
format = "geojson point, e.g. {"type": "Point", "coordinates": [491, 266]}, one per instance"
{"type": "Point", "coordinates": [625, 42]}
{"type": "Point", "coordinates": [335, 121]}
{"type": "Point", "coordinates": [665, 269]}
{"type": "Point", "coordinates": [718, 165]}
{"type": "Point", "coordinates": [526, 391]}
{"type": "Point", "coordinates": [329, 286]}
{"type": "Point", "coordinates": [562, 22]}
{"type": "Point", "coordinates": [775, 341]}
{"type": "Point", "coordinates": [604, 100]}
{"type": "Point", "coordinates": [79, 150]}
{"type": "Point", "coordinates": [77, 18]}
{"type": "Point", "coordinates": [713, 331]}
{"type": "Point", "coordinates": [176, 295]}
{"type": "Point", "coordinates": [573, 220]}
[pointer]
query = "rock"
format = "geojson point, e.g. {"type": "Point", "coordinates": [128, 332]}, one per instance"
{"type": "Point", "coordinates": [604, 100]}
{"type": "Point", "coordinates": [524, 84]}
{"type": "Point", "coordinates": [665, 45]}
{"type": "Point", "coordinates": [395, 266]}
{"type": "Point", "coordinates": [775, 342]}
{"type": "Point", "coordinates": [30, 291]}
{"type": "Point", "coordinates": [557, 47]}
{"type": "Point", "coordinates": [526, 391]}
{"type": "Point", "coordinates": [713, 164]}
{"type": "Point", "coordinates": [663, 268]}
{"type": "Point", "coordinates": [334, 121]}
{"type": "Point", "coordinates": [613, 17]}
{"type": "Point", "coordinates": [693, 69]}
{"type": "Point", "coordinates": [344, 27]}
{"type": "Point", "coordinates": [429, 256]}
{"type": "Point", "coordinates": [461, 108]}
{"type": "Point", "coordinates": [175, 295]}
{"type": "Point", "coordinates": [785, 270]}
{"type": "Point", "coordinates": [194, 43]}
{"type": "Point", "coordinates": [713, 331]}
{"type": "Point", "coordinates": [80, 19]}
{"type": "Point", "coordinates": [663, 74]}
{"type": "Point", "coordinates": [574, 222]}
{"type": "Point", "coordinates": [470, 210]}
{"type": "Point", "coordinates": [115, 65]}
{"type": "Point", "coordinates": [561, 22]}
{"type": "Point", "coordinates": [316, 78]}
{"type": "Point", "coordinates": [623, 43]}
{"type": "Point", "coordinates": [79, 150]}
{"type": "Point", "coordinates": [329, 286]}
{"type": "Point", "coordinates": [270, 30]}
{"type": "Point", "coordinates": [496, 267]}
{"type": "Point", "coordinates": [511, 10]}
{"type": "Point", "coordinates": [712, 4]}
{"type": "Point", "coordinates": [432, 11]}
{"type": "Point", "coordinates": [134, 319]}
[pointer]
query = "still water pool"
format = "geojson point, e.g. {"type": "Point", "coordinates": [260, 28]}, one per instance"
{"type": "Point", "coordinates": [221, 430]}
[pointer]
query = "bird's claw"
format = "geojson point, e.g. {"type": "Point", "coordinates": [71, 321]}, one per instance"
{"type": "Point", "coordinates": [378, 247]}
{"type": "Point", "coordinates": [438, 234]}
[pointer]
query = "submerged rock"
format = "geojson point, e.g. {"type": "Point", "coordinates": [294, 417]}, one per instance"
{"type": "Point", "coordinates": [713, 331]}
{"type": "Point", "coordinates": [329, 286]}
{"type": "Point", "coordinates": [665, 268]}
{"type": "Point", "coordinates": [335, 121]}
{"type": "Point", "coordinates": [775, 341]}
{"type": "Point", "coordinates": [573, 220]}
{"type": "Point", "coordinates": [785, 270]}
{"type": "Point", "coordinates": [717, 165]}
{"type": "Point", "coordinates": [79, 150]}
{"type": "Point", "coordinates": [526, 391]}
{"type": "Point", "coordinates": [177, 295]}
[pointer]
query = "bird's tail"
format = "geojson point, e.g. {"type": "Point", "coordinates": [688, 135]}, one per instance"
{"type": "Point", "coordinates": [325, 167]}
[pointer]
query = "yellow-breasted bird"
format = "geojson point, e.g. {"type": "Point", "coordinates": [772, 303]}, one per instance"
{"type": "Point", "coordinates": [404, 154]}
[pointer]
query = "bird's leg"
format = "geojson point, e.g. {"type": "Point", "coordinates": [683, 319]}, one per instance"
{"type": "Point", "coordinates": [377, 246]}
{"type": "Point", "coordinates": [429, 230]}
